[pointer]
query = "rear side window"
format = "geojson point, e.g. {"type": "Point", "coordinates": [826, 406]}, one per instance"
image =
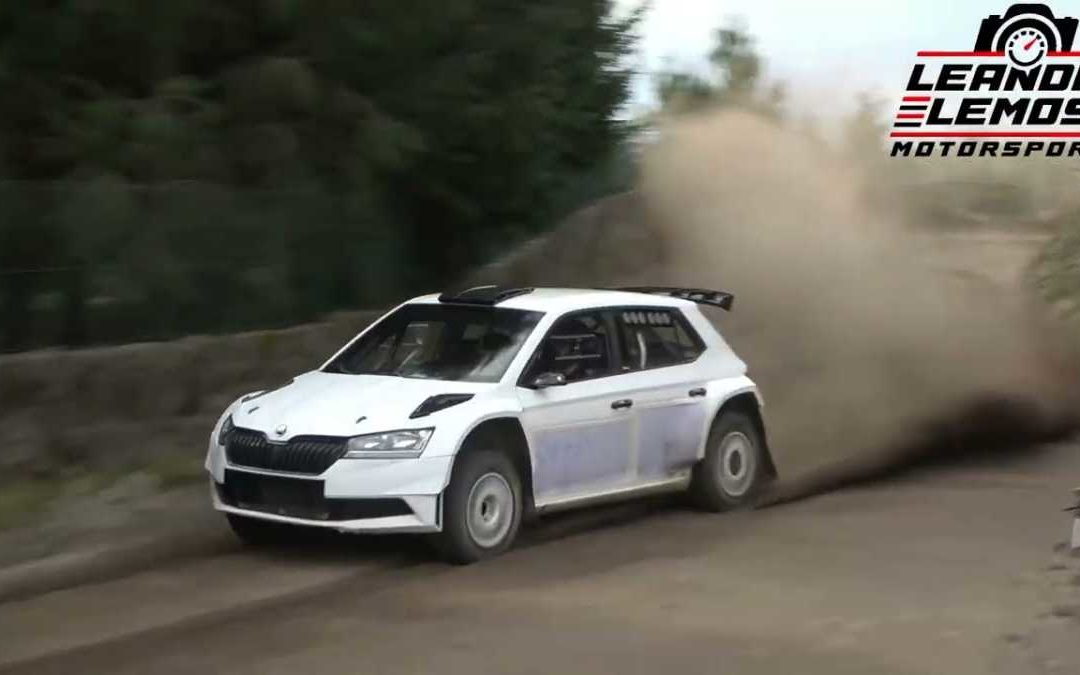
{"type": "Point", "coordinates": [655, 338]}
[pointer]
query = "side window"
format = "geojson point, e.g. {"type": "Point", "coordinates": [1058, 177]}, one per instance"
{"type": "Point", "coordinates": [577, 347]}
{"type": "Point", "coordinates": [654, 338]}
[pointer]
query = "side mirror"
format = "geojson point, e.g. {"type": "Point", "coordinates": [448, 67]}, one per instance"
{"type": "Point", "coordinates": [545, 380]}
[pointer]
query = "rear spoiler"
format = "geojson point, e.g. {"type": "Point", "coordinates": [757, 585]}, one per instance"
{"type": "Point", "coordinates": [701, 296]}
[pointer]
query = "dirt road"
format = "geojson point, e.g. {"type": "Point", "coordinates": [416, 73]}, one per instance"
{"type": "Point", "coordinates": [944, 570]}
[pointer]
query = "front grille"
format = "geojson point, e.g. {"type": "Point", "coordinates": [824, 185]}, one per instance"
{"type": "Point", "coordinates": [300, 498]}
{"type": "Point", "coordinates": [309, 455]}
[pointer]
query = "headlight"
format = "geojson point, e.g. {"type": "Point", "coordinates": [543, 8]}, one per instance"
{"type": "Point", "coordinates": [405, 444]}
{"type": "Point", "coordinates": [226, 429]}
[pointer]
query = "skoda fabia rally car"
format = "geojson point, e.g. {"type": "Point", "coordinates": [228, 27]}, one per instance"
{"type": "Point", "coordinates": [459, 415]}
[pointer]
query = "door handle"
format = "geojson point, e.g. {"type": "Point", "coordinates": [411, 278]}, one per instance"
{"type": "Point", "coordinates": [622, 403]}
{"type": "Point", "coordinates": [697, 393]}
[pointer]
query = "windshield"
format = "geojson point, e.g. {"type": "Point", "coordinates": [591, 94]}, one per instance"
{"type": "Point", "coordinates": [440, 342]}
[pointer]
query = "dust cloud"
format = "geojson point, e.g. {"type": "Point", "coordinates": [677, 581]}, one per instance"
{"type": "Point", "coordinates": [869, 355]}
{"type": "Point", "coordinates": [877, 345]}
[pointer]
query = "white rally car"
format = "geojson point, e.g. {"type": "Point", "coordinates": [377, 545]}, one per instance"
{"type": "Point", "coordinates": [460, 414]}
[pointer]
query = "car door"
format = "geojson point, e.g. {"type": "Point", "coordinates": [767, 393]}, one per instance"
{"type": "Point", "coordinates": [659, 349]}
{"type": "Point", "coordinates": [580, 432]}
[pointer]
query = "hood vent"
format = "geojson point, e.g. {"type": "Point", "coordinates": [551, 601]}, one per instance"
{"type": "Point", "coordinates": [439, 402]}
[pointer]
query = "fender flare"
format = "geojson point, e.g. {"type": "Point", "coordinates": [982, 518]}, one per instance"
{"type": "Point", "coordinates": [748, 399]}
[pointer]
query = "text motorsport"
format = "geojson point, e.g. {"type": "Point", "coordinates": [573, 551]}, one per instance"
{"type": "Point", "coordinates": [1017, 94]}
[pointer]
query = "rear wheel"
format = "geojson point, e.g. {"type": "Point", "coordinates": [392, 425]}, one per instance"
{"type": "Point", "coordinates": [481, 507]}
{"type": "Point", "coordinates": [733, 470]}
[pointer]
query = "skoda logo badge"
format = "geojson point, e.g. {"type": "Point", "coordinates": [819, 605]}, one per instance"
{"type": "Point", "coordinates": [280, 431]}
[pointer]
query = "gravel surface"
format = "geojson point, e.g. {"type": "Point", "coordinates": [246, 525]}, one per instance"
{"type": "Point", "coordinates": [951, 569]}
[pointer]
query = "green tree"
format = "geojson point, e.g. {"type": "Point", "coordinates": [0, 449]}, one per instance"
{"type": "Point", "coordinates": [735, 78]}
{"type": "Point", "coordinates": [399, 142]}
{"type": "Point", "coordinates": [735, 58]}
{"type": "Point", "coordinates": [678, 90]}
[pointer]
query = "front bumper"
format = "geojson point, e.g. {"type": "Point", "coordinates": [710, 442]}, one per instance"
{"type": "Point", "coordinates": [425, 516]}
{"type": "Point", "coordinates": [351, 496]}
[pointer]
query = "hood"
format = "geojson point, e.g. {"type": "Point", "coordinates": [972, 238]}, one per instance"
{"type": "Point", "coordinates": [331, 404]}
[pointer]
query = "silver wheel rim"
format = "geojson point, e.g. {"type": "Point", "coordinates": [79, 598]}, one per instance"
{"type": "Point", "coordinates": [738, 463]}
{"type": "Point", "coordinates": [489, 510]}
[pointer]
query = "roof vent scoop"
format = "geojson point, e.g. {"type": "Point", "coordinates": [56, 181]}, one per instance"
{"type": "Point", "coordinates": [438, 402]}
{"type": "Point", "coordinates": [483, 295]}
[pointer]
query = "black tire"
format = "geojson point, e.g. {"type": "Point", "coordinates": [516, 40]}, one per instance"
{"type": "Point", "coordinates": [714, 489]}
{"type": "Point", "coordinates": [258, 533]}
{"type": "Point", "coordinates": [475, 473]}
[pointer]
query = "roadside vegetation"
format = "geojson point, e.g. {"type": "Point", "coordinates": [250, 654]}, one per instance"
{"type": "Point", "coordinates": [220, 165]}
{"type": "Point", "coordinates": [214, 167]}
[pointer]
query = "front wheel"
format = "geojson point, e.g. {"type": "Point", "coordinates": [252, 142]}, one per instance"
{"type": "Point", "coordinates": [481, 507]}
{"type": "Point", "coordinates": [733, 469]}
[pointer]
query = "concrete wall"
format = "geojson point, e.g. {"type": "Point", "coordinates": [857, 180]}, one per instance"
{"type": "Point", "coordinates": [116, 407]}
